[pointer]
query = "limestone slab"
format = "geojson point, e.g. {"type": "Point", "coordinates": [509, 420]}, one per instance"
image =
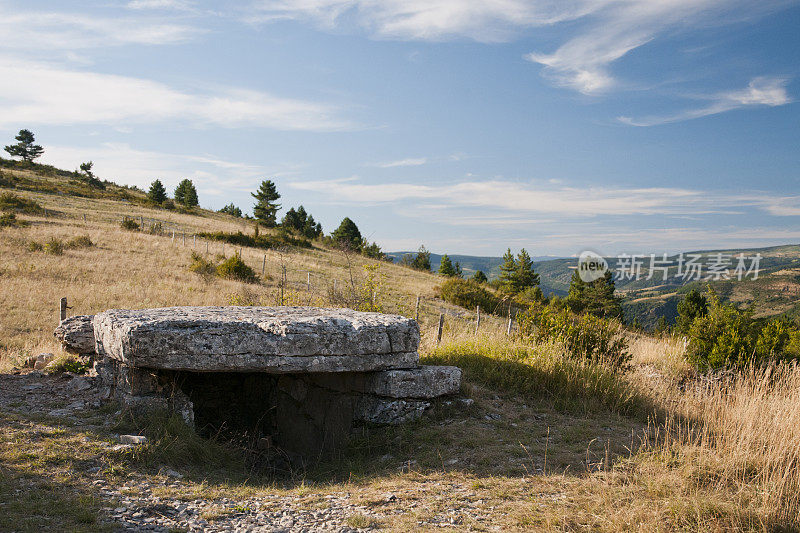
{"type": "Point", "coordinates": [76, 333]}
{"type": "Point", "coordinates": [252, 339]}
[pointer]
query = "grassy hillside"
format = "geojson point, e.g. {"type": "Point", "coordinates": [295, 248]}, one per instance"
{"type": "Point", "coordinates": [539, 440]}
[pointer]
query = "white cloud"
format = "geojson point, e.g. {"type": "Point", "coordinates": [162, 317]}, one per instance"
{"type": "Point", "coordinates": [121, 163]}
{"type": "Point", "coordinates": [410, 162]}
{"type": "Point", "coordinates": [54, 32]}
{"type": "Point", "coordinates": [485, 20]}
{"type": "Point", "coordinates": [761, 91]}
{"type": "Point", "coordinates": [39, 93]}
{"type": "Point", "coordinates": [603, 30]}
{"type": "Point", "coordinates": [177, 5]}
{"type": "Point", "coordinates": [505, 196]}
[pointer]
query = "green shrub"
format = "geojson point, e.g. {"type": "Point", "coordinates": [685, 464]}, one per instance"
{"type": "Point", "coordinates": [200, 265]}
{"type": "Point", "coordinates": [282, 238]}
{"type": "Point", "coordinates": [130, 225]}
{"type": "Point", "coordinates": [468, 293]}
{"type": "Point", "coordinates": [54, 246]}
{"type": "Point", "coordinates": [10, 220]}
{"type": "Point", "coordinates": [236, 269]}
{"type": "Point", "coordinates": [11, 202]}
{"type": "Point", "coordinates": [585, 336]}
{"type": "Point", "coordinates": [729, 337]}
{"type": "Point", "coordinates": [34, 246]}
{"type": "Point", "coordinates": [82, 241]}
{"type": "Point", "coordinates": [68, 363]}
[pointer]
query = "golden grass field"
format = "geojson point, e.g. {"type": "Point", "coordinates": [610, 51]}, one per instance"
{"type": "Point", "coordinates": [570, 446]}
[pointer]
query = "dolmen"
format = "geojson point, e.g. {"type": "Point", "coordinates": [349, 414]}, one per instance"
{"type": "Point", "coordinates": [301, 379]}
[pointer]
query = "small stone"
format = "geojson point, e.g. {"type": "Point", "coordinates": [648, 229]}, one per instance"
{"type": "Point", "coordinates": [42, 360]}
{"type": "Point", "coordinates": [79, 384]}
{"type": "Point", "coordinates": [132, 439]}
{"type": "Point", "coordinates": [172, 473]}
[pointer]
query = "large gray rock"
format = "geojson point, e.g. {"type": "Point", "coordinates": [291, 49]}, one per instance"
{"type": "Point", "coordinates": [257, 339]}
{"type": "Point", "coordinates": [76, 333]}
{"type": "Point", "coordinates": [425, 382]}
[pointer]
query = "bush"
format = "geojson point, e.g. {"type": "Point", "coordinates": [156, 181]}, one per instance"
{"type": "Point", "coordinates": [130, 225]}
{"type": "Point", "coordinates": [258, 241]}
{"type": "Point", "coordinates": [82, 241]}
{"type": "Point", "coordinates": [68, 363]}
{"type": "Point", "coordinates": [585, 336]}
{"type": "Point", "coordinates": [54, 246]}
{"type": "Point", "coordinates": [729, 337]}
{"type": "Point", "coordinates": [10, 220]}
{"type": "Point", "coordinates": [11, 202]}
{"type": "Point", "coordinates": [236, 269]}
{"type": "Point", "coordinates": [200, 265]}
{"type": "Point", "coordinates": [34, 246]}
{"type": "Point", "coordinates": [468, 293]}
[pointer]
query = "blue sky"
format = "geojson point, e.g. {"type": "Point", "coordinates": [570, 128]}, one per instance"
{"type": "Point", "coordinates": [622, 126]}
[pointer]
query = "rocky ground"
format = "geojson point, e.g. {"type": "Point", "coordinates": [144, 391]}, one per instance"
{"type": "Point", "coordinates": [165, 500]}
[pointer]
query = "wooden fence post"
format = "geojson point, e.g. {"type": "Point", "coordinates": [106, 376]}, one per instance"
{"type": "Point", "coordinates": [416, 312]}
{"type": "Point", "coordinates": [510, 321]}
{"type": "Point", "coordinates": [141, 222]}
{"type": "Point", "coordinates": [334, 285]}
{"type": "Point", "coordinates": [62, 309]}
{"type": "Point", "coordinates": [264, 265]}
{"type": "Point", "coordinates": [308, 281]}
{"type": "Point", "coordinates": [223, 248]}
{"type": "Point", "coordinates": [194, 242]}
{"type": "Point", "coordinates": [173, 236]}
{"type": "Point", "coordinates": [84, 218]}
{"type": "Point", "coordinates": [439, 329]}
{"type": "Point", "coordinates": [477, 319]}
{"type": "Point", "coordinates": [184, 238]}
{"type": "Point", "coordinates": [206, 247]}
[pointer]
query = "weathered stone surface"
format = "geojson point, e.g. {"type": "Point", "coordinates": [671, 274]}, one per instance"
{"type": "Point", "coordinates": [375, 410]}
{"type": "Point", "coordinates": [269, 339]}
{"type": "Point", "coordinates": [425, 382]}
{"type": "Point", "coordinates": [76, 333]}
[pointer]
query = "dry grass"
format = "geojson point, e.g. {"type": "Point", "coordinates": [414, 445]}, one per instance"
{"type": "Point", "coordinates": [713, 456]}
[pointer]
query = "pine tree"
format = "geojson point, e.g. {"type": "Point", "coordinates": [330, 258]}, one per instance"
{"type": "Point", "coordinates": [157, 192]}
{"type": "Point", "coordinates": [266, 207]}
{"type": "Point", "coordinates": [596, 298]}
{"type": "Point", "coordinates": [480, 277]}
{"type": "Point", "coordinates": [25, 147]}
{"type": "Point", "coordinates": [446, 267]}
{"type": "Point", "coordinates": [347, 235]}
{"type": "Point", "coordinates": [508, 271]}
{"type": "Point", "coordinates": [525, 275]}
{"type": "Point", "coordinates": [232, 210]}
{"type": "Point", "coordinates": [692, 306]}
{"type": "Point", "coordinates": [186, 194]}
{"type": "Point", "coordinates": [422, 261]}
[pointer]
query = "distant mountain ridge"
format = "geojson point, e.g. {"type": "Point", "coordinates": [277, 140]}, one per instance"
{"type": "Point", "coordinates": [776, 291]}
{"type": "Point", "coordinates": [470, 263]}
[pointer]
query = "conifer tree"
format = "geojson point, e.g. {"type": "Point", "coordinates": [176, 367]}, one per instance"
{"type": "Point", "coordinates": [157, 192]}
{"type": "Point", "coordinates": [25, 148]}
{"type": "Point", "coordinates": [266, 207]}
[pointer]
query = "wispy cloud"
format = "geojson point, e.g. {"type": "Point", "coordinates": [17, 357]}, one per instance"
{"type": "Point", "coordinates": [761, 91]}
{"type": "Point", "coordinates": [53, 31]}
{"type": "Point", "coordinates": [124, 164]}
{"type": "Point", "coordinates": [410, 162]}
{"type": "Point", "coordinates": [603, 31]}
{"type": "Point", "coordinates": [485, 21]}
{"type": "Point", "coordinates": [176, 5]}
{"type": "Point", "coordinates": [40, 93]}
{"type": "Point", "coordinates": [519, 197]}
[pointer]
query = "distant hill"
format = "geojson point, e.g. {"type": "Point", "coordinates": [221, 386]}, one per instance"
{"type": "Point", "coordinates": [776, 291]}
{"type": "Point", "coordinates": [470, 263]}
